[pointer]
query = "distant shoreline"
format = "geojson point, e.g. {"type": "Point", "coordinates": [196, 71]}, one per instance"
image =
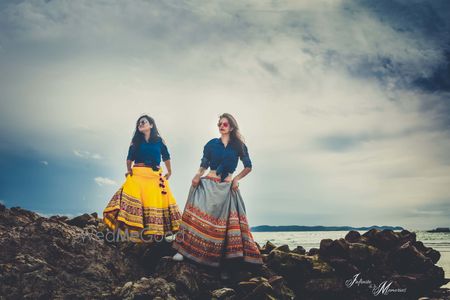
{"type": "Point", "coordinates": [270, 228]}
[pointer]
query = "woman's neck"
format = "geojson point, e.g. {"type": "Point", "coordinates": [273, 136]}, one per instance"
{"type": "Point", "coordinates": [225, 138]}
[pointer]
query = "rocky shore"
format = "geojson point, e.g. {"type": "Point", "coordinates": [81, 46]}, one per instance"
{"type": "Point", "coordinates": [62, 258]}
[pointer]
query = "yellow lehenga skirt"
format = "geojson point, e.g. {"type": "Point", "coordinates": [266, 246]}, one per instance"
{"type": "Point", "coordinates": [143, 207]}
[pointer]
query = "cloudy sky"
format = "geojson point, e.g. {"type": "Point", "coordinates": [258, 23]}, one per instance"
{"type": "Point", "coordinates": [344, 105]}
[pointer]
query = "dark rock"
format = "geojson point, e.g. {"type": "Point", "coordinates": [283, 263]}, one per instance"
{"type": "Point", "coordinates": [192, 280]}
{"type": "Point", "coordinates": [147, 288]}
{"type": "Point", "coordinates": [385, 239]}
{"type": "Point", "coordinates": [267, 272]}
{"type": "Point", "coordinates": [343, 266]}
{"type": "Point", "coordinates": [223, 293]}
{"type": "Point", "coordinates": [412, 283]}
{"type": "Point", "coordinates": [437, 294]}
{"type": "Point", "coordinates": [299, 250]}
{"type": "Point", "coordinates": [45, 258]}
{"type": "Point", "coordinates": [284, 248]}
{"type": "Point", "coordinates": [336, 248]}
{"type": "Point", "coordinates": [361, 254]}
{"type": "Point", "coordinates": [83, 221]}
{"type": "Point", "coordinates": [275, 279]}
{"type": "Point", "coordinates": [419, 246]}
{"type": "Point", "coordinates": [332, 285]}
{"type": "Point", "coordinates": [324, 248]}
{"type": "Point", "coordinates": [246, 287]}
{"type": "Point", "coordinates": [408, 259]}
{"type": "Point", "coordinates": [269, 246]}
{"type": "Point", "coordinates": [263, 288]}
{"type": "Point", "coordinates": [434, 255]}
{"type": "Point", "coordinates": [427, 251]}
{"type": "Point", "coordinates": [264, 257]}
{"type": "Point", "coordinates": [370, 234]}
{"type": "Point", "coordinates": [281, 288]}
{"type": "Point", "coordinates": [59, 218]}
{"type": "Point", "coordinates": [241, 275]}
{"type": "Point", "coordinates": [16, 217]}
{"type": "Point", "coordinates": [353, 236]}
{"type": "Point", "coordinates": [297, 268]}
{"type": "Point", "coordinates": [406, 236]}
{"type": "Point", "coordinates": [294, 267]}
{"type": "Point", "coordinates": [262, 291]}
{"type": "Point", "coordinates": [313, 251]}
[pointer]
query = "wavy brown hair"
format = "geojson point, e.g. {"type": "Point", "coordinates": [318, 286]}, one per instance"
{"type": "Point", "coordinates": [236, 138]}
{"type": "Point", "coordinates": [138, 136]}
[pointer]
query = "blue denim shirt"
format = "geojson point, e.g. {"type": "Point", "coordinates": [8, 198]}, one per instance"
{"type": "Point", "coordinates": [149, 153]}
{"type": "Point", "coordinates": [223, 159]}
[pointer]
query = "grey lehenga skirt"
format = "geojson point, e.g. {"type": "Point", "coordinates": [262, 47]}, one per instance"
{"type": "Point", "coordinates": [214, 225]}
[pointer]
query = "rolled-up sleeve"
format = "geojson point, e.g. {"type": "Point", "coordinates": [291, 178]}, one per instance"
{"type": "Point", "coordinates": [245, 157]}
{"type": "Point", "coordinates": [131, 152]}
{"type": "Point", "coordinates": [206, 159]}
{"type": "Point", "coordinates": [164, 151]}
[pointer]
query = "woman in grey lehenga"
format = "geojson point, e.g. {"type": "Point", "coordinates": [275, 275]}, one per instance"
{"type": "Point", "coordinates": [214, 223]}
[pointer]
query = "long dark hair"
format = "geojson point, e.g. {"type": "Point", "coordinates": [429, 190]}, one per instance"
{"type": "Point", "coordinates": [138, 136]}
{"type": "Point", "coordinates": [236, 138]}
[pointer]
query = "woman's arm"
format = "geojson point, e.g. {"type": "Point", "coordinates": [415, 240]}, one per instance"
{"type": "Point", "coordinates": [131, 156]}
{"type": "Point", "coordinates": [204, 165]}
{"type": "Point", "coordinates": [196, 179]}
{"type": "Point", "coordinates": [245, 158]}
{"type": "Point", "coordinates": [129, 170]}
{"type": "Point", "coordinates": [166, 158]}
{"type": "Point", "coordinates": [169, 168]}
{"type": "Point", "coordinates": [201, 171]}
{"type": "Point", "coordinates": [242, 174]}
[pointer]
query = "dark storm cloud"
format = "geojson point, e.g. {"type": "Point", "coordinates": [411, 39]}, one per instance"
{"type": "Point", "coordinates": [426, 20]}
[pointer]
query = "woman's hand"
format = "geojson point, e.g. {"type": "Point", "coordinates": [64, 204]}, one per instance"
{"type": "Point", "coordinates": [168, 175]}
{"type": "Point", "coordinates": [235, 184]}
{"type": "Point", "coordinates": [196, 180]}
{"type": "Point", "coordinates": [129, 172]}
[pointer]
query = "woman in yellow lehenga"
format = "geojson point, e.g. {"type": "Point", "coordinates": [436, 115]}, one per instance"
{"type": "Point", "coordinates": [144, 209]}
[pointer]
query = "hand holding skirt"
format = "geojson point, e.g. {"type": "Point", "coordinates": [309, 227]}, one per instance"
{"type": "Point", "coordinates": [143, 206]}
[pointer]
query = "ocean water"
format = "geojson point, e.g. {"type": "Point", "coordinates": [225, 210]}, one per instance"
{"type": "Point", "coordinates": [311, 239]}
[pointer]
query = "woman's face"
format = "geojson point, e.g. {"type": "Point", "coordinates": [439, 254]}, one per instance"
{"type": "Point", "coordinates": [144, 125]}
{"type": "Point", "coordinates": [224, 126]}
